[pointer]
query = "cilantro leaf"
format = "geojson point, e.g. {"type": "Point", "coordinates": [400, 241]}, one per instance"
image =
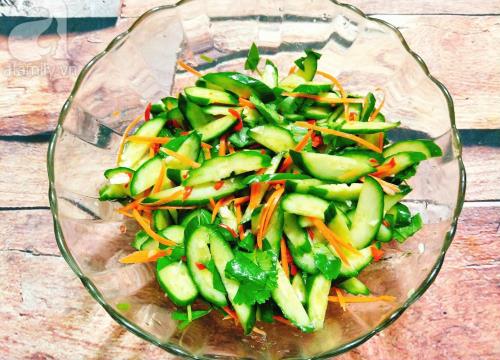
{"type": "Point", "coordinates": [184, 317]}
{"type": "Point", "coordinates": [217, 281]}
{"type": "Point", "coordinates": [248, 242]}
{"type": "Point", "coordinates": [198, 218]}
{"type": "Point", "coordinates": [327, 263]}
{"type": "Point", "coordinates": [176, 255]}
{"type": "Point", "coordinates": [403, 233]}
{"type": "Point", "coordinates": [257, 279]}
{"type": "Point", "coordinates": [240, 139]}
{"type": "Point", "coordinates": [406, 173]}
{"type": "Point", "coordinates": [253, 58]}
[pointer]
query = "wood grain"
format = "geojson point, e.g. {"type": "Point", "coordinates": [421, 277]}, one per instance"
{"type": "Point", "coordinates": [457, 318]}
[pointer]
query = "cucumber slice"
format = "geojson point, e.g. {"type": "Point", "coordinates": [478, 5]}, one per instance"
{"type": "Point", "coordinates": [302, 186]}
{"type": "Point", "coordinates": [216, 128]}
{"type": "Point", "coordinates": [174, 233]}
{"type": "Point", "coordinates": [316, 112]}
{"type": "Point", "coordinates": [146, 175]}
{"type": "Point", "coordinates": [242, 85]}
{"type": "Point", "coordinates": [291, 82]}
{"type": "Point", "coordinates": [113, 192]}
{"type": "Point", "coordinates": [204, 96]}
{"type": "Point", "coordinates": [354, 286]}
{"type": "Point", "coordinates": [404, 160]}
{"type": "Point", "coordinates": [307, 205]}
{"type": "Point", "coordinates": [200, 195]}
{"type": "Point", "coordinates": [217, 110]}
{"type": "Point", "coordinates": [401, 214]}
{"type": "Point", "coordinates": [175, 281]}
{"type": "Point", "coordinates": [161, 219]}
{"type": "Point", "coordinates": [313, 88]}
{"type": "Point", "coordinates": [134, 151]}
{"type": "Point", "coordinates": [357, 127]}
{"type": "Point", "coordinates": [300, 288]}
{"type": "Point", "coordinates": [140, 238]}
{"type": "Point", "coordinates": [290, 305]}
{"type": "Point", "coordinates": [270, 74]}
{"type": "Point", "coordinates": [251, 117]}
{"type": "Point", "coordinates": [203, 217]}
{"type": "Point", "coordinates": [426, 147]}
{"type": "Point", "coordinates": [119, 175]}
{"type": "Point", "coordinates": [340, 226]}
{"type": "Point", "coordinates": [224, 166]}
{"type": "Point", "coordinates": [337, 192]}
{"type": "Point", "coordinates": [308, 65]}
{"type": "Point", "coordinates": [384, 233]}
{"type": "Point", "coordinates": [170, 102]}
{"type": "Point", "coordinates": [273, 137]}
{"type": "Point", "coordinates": [317, 299]}
{"type": "Point", "coordinates": [275, 229]}
{"type": "Point", "coordinates": [357, 262]}
{"type": "Point", "coordinates": [198, 252]}
{"type": "Point", "coordinates": [362, 155]}
{"type": "Point", "coordinates": [331, 167]}
{"type": "Point", "coordinates": [391, 200]}
{"type": "Point", "coordinates": [368, 107]}
{"type": "Point", "coordinates": [188, 145]}
{"type": "Point", "coordinates": [177, 176]}
{"type": "Point", "coordinates": [193, 113]}
{"type": "Point", "coordinates": [368, 215]}
{"type": "Point", "coordinates": [299, 244]}
{"type": "Point", "coordinates": [222, 254]}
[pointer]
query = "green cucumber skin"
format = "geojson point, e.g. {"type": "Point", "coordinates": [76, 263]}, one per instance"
{"type": "Point", "coordinates": [273, 137]}
{"type": "Point", "coordinates": [113, 192]}
{"type": "Point", "coordinates": [317, 300]}
{"type": "Point", "coordinates": [242, 85]}
{"type": "Point", "coordinates": [222, 254]}
{"type": "Point", "coordinates": [204, 96]}
{"type": "Point", "coordinates": [145, 176]}
{"type": "Point", "coordinates": [427, 147]}
{"type": "Point", "coordinates": [216, 128]}
{"type": "Point", "coordinates": [299, 244]}
{"type": "Point", "coordinates": [354, 286]}
{"type": "Point", "coordinates": [197, 251]}
{"type": "Point", "coordinates": [367, 127]}
{"type": "Point", "coordinates": [176, 273]}
{"type": "Point", "coordinates": [404, 160]}
{"type": "Point", "coordinates": [302, 204]}
{"type": "Point", "coordinates": [368, 107]}
{"type": "Point", "coordinates": [109, 173]}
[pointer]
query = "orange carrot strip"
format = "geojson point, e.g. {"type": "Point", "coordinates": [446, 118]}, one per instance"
{"type": "Point", "coordinates": [241, 200]}
{"type": "Point", "coordinates": [266, 214]}
{"type": "Point", "coordinates": [206, 146]}
{"type": "Point", "coordinates": [355, 138]}
{"type": "Point", "coordinates": [284, 258]}
{"type": "Point", "coordinates": [244, 102]}
{"type": "Point", "coordinates": [323, 230]}
{"type": "Point", "coordinates": [337, 83]}
{"type": "Point", "coordinates": [143, 256]}
{"type": "Point", "coordinates": [362, 299]}
{"type": "Point", "coordinates": [147, 139]}
{"type": "Point", "coordinates": [301, 145]}
{"type": "Point", "coordinates": [282, 320]}
{"type": "Point", "coordinates": [381, 141]}
{"type": "Point", "coordinates": [231, 313]}
{"type": "Point", "coordinates": [124, 213]}
{"type": "Point", "coordinates": [377, 110]}
{"type": "Point", "coordinates": [188, 68]}
{"type": "Point", "coordinates": [212, 203]}
{"type": "Point", "coordinates": [385, 170]}
{"type": "Point", "coordinates": [141, 207]}
{"type": "Point", "coordinates": [147, 228]}
{"type": "Point", "coordinates": [389, 189]}
{"type": "Point", "coordinates": [230, 147]}
{"type": "Point", "coordinates": [272, 207]}
{"type": "Point", "coordinates": [222, 145]}
{"type": "Point", "coordinates": [124, 136]}
{"type": "Point", "coordinates": [182, 158]}
{"type": "Point", "coordinates": [292, 70]}
{"type": "Point", "coordinates": [161, 178]}
{"type": "Point", "coordinates": [254, 195]}
{"type": "Point", "coordinates": [237, 210]}
{"type": "Point", "coordinates": [341, 299]}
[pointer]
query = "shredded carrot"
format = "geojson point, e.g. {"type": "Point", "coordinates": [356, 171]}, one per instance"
{"type": "Point", "coordinates": [292, 70]}
{"type": "Point", "coordinates": [355, 138]}
{"type": "Point", "coordinates": [233, 233]}
{"type": "Point", "coordinates": [151, 152]}
{"type": "Point", "coordinates": [174, 196]}
{"type": "Point", "coordinates": [241, 230]}
{"type": "Point", "coordinates": [212, 203]}
{"type": "Point", "coordinates": [385, 170]}
{"type": "Point", "coordinates": [284, 258]}
{"type": "Point", "coordinates": [341, 299]}
{"type": "Point", "coordinates": [148, 215]}
{"type": "Point", "coordinates": [143, 256]}
{"type": "Point", "coordinates": [381, 141]}
{"type": "Point", "coordinates": [188, 68]}
{"type": "Point", "coordinates": [141, 207]}
{"type": "Point", "coordinates": [132, 205]}
{"type": "Point", "coordinates": [324, 99]}
{"type": "Point", "coordinates": [254, 195]}
{"type": "Point", "coordinates": [246, 103]}
{"type": "Point", "coordinates": [182, 158]}
{"type": "Point", "coordinates": [217, 207]}
{"type": "Point", "coordinates": [332, 239]}
{"type": "Point", "coordinates": [231, 313]}
{"type": "Point", "coordinates": [218, 184]}
{"type": "Point", "coordinates": [241, 200]}
{"type": "Point", "coordinates": [124, 213]}
{"type": "Point", "coordinates": [266, 214]}
{"type": "Point", "coordinates": [147, 139]}
{"type": "Point", "coordinates": [206, 146]}
{"type": "Point", "coordinates": [237, 115]}
{"type": "Point", "coordinates": [207, 153]}
{"type": "Point", "coordinates": [389, 189]}
{"type": "Point", "coordinates": [187, 192]}
{"type": "Point", "coordinates": [301, 145]}
{"type": "Point", "coordinates": [124, 136]}
{"type": "Point", "coordinates": [259, 331]}
{"type": "Point", "coordinates": [222, 145]}
{"type": "Point", "coordinates": [376, 253]}
{"type": "Point", "coordinates": [377, 110]}
{"type": "Point", "coordinates": [230, 147]}
{"type": "Point", "coordinates": [337, 83]}
{"type": "Point", "coordinates": [160, 179]}
{"type": "Point", "coordinates": [282, 320]}
{"type": "Point", "coordinates": [200, 266]}
{"type": "Point", "coordinates": [149, 231]}
{"type": "Point", "coordinates": [362, 299]}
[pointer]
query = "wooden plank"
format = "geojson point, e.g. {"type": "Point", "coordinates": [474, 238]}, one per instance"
{"type": "Point", "coordinates": [30, 159]}
{"type": "Point", "coordinates": [60, 8]}
{"type": "Point", "coordinates": [134, 8]}
{"type": "Point", "coordinates": [35, 91]}
{"type": "Point", "coordinates": [31, 103]}
{"type": "Point", "coordinates": [457, 318]}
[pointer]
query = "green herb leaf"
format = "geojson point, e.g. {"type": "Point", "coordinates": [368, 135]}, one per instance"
{"type": "Point", "coordinates": [202, 217]}
{"type": "Point", "coordinates": [403, 233]}
{"type": "Point", "coordinates": [248, 242]}
{"type": "Point", "coordinates": [175, 256]}
{"type": "Point", "coordinates": [253, 58]}
{"type": "Point", "coordinates": [257, 279]}
{"type": "Point", "coordinates": [240, 139]}
{"type": "Point", "coordinates": [406, 174]}
{"type": "Point", "coordinates": [183, 317]}
{"type": "Point", "coordinates": [217, 281]}
{"type": "Point", "coordinates": [327, 263]}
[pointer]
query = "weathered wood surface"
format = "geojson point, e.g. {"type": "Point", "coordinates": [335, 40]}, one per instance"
{"type": "Point", "coordinates": [134, 8]}
{"type": "Point", "coordinates": [36, 90]}
{"type": "Point", "coordinates": [47, 314]}
{"type": "Point", "coordinates": [457, 318]}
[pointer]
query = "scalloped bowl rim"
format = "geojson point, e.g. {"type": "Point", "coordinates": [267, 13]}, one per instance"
{"type": "Point", "coordinates": [174, 349]}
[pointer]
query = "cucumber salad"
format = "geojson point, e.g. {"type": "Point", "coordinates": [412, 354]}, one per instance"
{"type": "Point", "coordinates": [263, 195]}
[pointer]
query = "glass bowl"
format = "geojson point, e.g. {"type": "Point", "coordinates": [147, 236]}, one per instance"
{"type": "Point", "coordinates": [139, 66]}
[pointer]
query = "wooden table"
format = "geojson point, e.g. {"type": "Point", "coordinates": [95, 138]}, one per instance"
{"type": "Point", "coordinates": [46, 313]}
